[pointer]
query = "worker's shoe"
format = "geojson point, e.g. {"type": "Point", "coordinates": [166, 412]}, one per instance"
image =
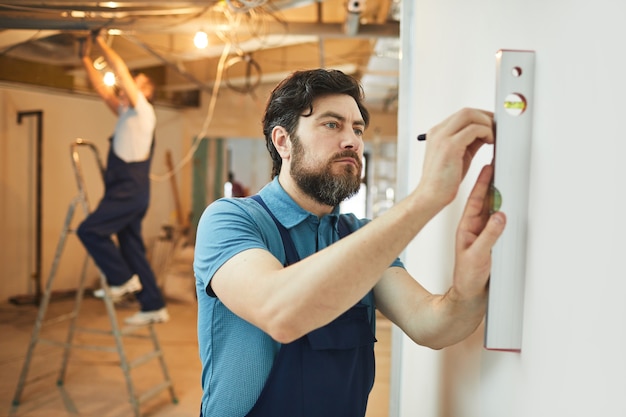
{"type": "Point", "coordinates": [147, 317]}
{"type": "Point", "coordinates": [117, 292]}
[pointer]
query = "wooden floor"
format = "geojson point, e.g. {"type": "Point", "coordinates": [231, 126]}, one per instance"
{"type": "Point", "coordinates": [94, 385]}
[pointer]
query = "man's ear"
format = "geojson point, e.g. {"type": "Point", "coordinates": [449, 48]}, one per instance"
{"type": "Point", "coordinates": [280, 139]}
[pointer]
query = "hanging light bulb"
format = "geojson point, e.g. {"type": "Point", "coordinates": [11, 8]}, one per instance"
{"type": "Point", "coordinates": [201, 40]}
{"type": "Point", "coordinates": [109, 79]}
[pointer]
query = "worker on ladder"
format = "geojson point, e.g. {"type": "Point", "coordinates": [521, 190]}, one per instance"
{"type": "Point", "coordinates": [127, 188]}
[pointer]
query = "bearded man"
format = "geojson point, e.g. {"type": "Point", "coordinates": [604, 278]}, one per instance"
{"type": "Point", "coordinates": [288, 286]}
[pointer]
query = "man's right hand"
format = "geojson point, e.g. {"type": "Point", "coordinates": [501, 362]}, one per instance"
{"type": "Point", "coordinates": [95, 33]}
{"type": "Point", "coordinates": [450, 148]}
{"type": "Point", "coordinates": [84, 47]}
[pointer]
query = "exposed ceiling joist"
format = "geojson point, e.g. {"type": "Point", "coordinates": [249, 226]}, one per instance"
{"type": "Point", "coordinates": [166, 25]}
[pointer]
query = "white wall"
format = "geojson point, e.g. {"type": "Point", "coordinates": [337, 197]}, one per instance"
{"type": "Point", "coordinates": [65, 118]}
{"type": "Point", "coordinates": [572, 361]}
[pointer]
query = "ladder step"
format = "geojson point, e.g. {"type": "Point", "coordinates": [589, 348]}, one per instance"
{"type": "Point", "coordinates": [131, 331]}
{"type": "Point", "coordinates": [126, 332]}
{"type": "Point", "coordinates": [59, 319]}
{"type": "Point", "coordinates": [144, 359]}
{"type": "Point", "coordinates": [100, 348]}
{"type": "Point", "coordinates": [153, 391]}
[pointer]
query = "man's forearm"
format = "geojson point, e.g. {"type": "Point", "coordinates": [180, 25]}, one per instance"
{"type": "Point", "coordinates": [93, 75]}
{"type": "Point", "coordinates": [451, 320]}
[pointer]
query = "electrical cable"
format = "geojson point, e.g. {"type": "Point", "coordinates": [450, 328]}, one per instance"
{"type": "Point", "coordinates": [207, 121]}
{"type": "Point", "coordinates": [243, 6]}
{"type": "Point", "coordinates": [252, 66]}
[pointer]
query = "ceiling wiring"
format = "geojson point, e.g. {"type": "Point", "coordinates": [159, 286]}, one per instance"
{"type": "Point", "coordinates": [205, 127]}
{"type": "Point", "coordinates": [252, 77]}
{"type": "Point", "coordinates": [177, 67]}
{"type": "Point", "coordinates": [264, 40]}
{"type": "Point", "coordinates": [244, 6]}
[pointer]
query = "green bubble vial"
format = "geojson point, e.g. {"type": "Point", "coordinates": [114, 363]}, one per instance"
{"type": "Point", "coordinates": [495, 199]}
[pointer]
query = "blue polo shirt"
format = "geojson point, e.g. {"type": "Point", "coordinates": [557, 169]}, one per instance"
{"type": "Point", "coordinates": [237, 356]}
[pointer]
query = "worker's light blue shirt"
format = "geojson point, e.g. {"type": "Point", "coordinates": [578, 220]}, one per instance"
{"type": "Point", "coordinates": [236, 356]}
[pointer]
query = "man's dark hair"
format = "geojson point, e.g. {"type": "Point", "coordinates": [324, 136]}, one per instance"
{"type": "Point", "coordinates": [295, 94]}
{"type": "Point", "coordinates": [149, 81]}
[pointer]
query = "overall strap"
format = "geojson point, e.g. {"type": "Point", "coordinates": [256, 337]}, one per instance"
{"type": "Point", "coordinates": [342, 227]}
{"type": "Point", "coordinates": [327, 372]}
{"type": "Point", "coordinates": [290, 249]}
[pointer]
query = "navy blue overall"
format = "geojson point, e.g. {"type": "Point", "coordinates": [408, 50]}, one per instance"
{"type": "Point", "coordinates": [326, 373]}
{"type": "Point", "coordinates": [120, 212]}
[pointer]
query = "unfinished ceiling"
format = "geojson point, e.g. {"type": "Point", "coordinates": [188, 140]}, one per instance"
{"type": "Point", "coordinates": [250, 42]}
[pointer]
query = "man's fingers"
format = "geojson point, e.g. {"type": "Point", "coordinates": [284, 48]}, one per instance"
{"type": "Point", "coordinates": [460, 120]}
{"type": "Point", "coordinates": [476, 201]}
{"type": "Point", "coordinates": [490, 234]}
{"type": "Point", "coordinates": [494, 228]}
{"type": "Point", "coordinates": [472, 132]}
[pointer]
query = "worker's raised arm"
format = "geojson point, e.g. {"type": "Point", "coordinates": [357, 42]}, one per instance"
{"type": "Point", "coordinates": [125, 80]}
{"type": "Point", "coordinates": [95, 77]}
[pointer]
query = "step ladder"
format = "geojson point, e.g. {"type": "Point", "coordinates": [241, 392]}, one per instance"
{"type": "Point", "coordinates": [142, 332]}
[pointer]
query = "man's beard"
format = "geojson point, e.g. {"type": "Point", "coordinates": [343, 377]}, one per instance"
{"type": "Point", "coordinates": [323, 185]}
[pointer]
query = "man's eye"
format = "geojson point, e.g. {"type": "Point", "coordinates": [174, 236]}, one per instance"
{"type": "Point", "coordinates": [332, 125]}
{"type": "Point", "coordinates": [358, 132]}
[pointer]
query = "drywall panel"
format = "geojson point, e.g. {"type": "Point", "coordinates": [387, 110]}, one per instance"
{"type": "Point", "coordinates": [571, 362]}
